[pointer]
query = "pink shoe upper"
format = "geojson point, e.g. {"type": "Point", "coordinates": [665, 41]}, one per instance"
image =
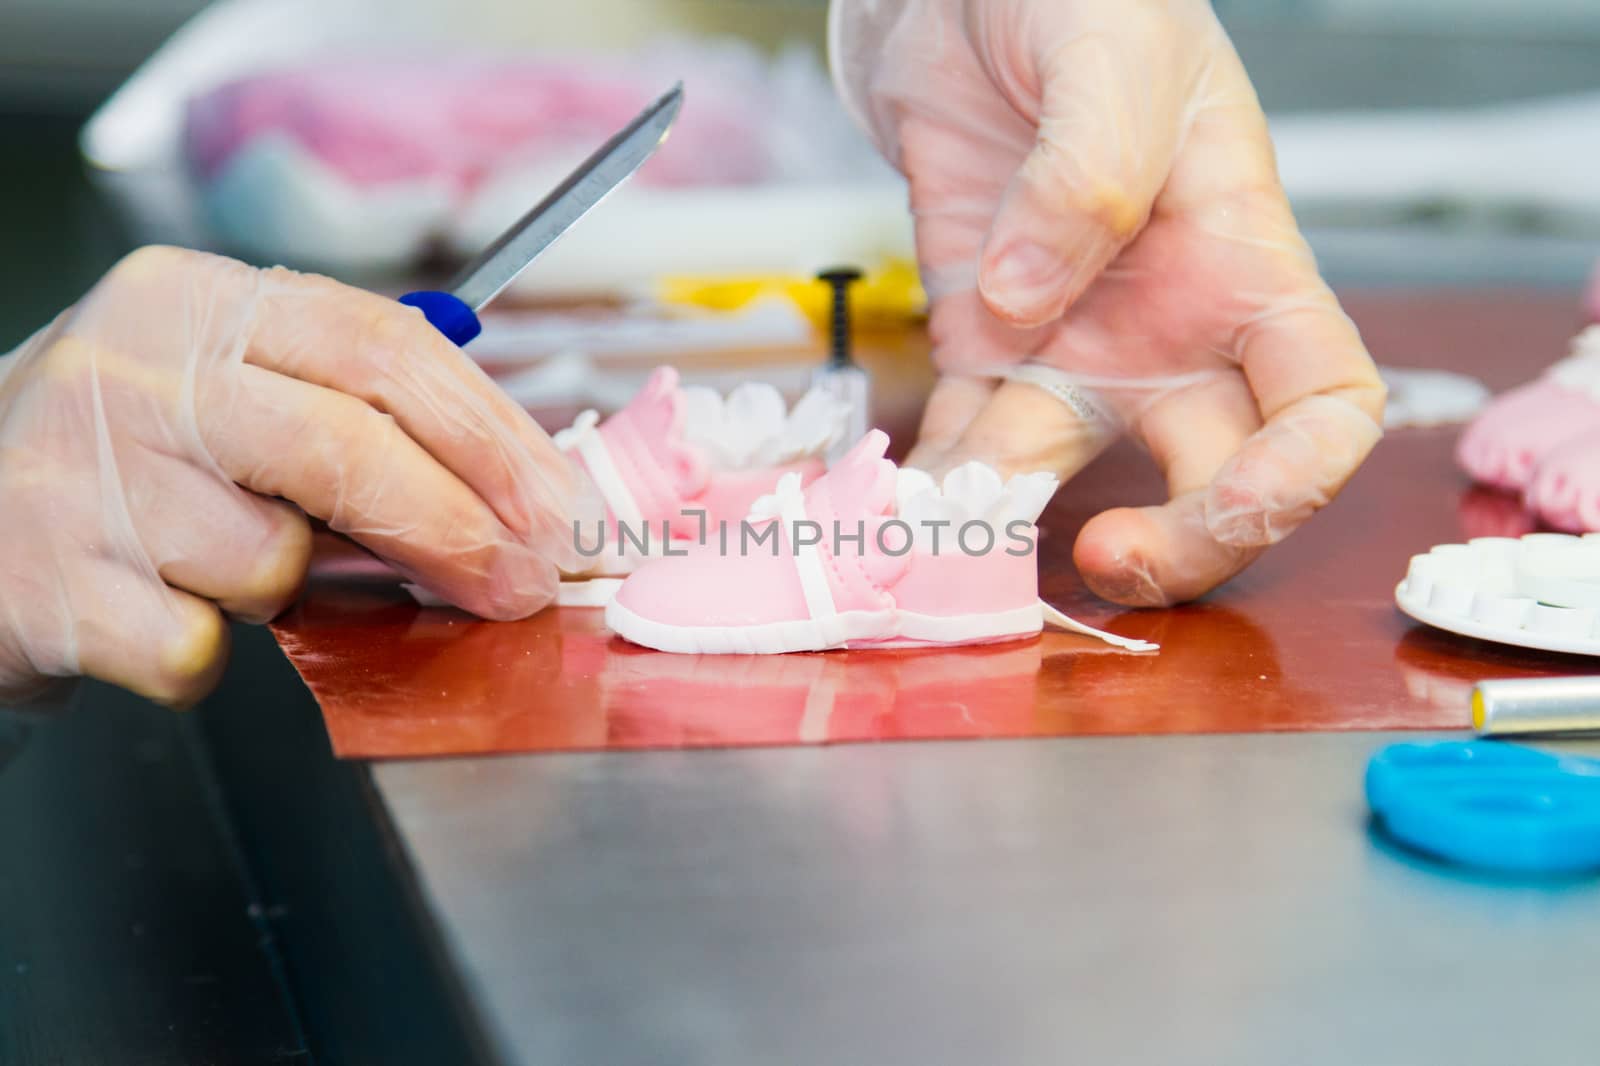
{"type": "Point", "coordinates": [1503, 446]}
{"type": "Point", "coordinates": [1565, 490]}
{"type": "Point", "coordinates": [755, 577]}
{"type": "Point", "coordinates": [1509, 441]}
{"type": "Point", "coordinates": [645, 441]}
{"type": "Point", "coordinates": [650, 474]}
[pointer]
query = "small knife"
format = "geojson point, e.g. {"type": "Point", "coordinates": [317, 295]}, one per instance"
{"type": "Point", "coordinates": [454, 312]}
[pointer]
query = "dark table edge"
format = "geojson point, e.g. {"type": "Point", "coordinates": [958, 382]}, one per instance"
{"type": "Point", "coordinates": [368, 969]}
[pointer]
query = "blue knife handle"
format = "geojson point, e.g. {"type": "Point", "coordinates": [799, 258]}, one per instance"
{"type": "Point", "coordinates": [449, 315]}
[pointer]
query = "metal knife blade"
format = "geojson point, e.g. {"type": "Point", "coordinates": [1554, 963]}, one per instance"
{"type": "Point", "coordinates": [612, 164]}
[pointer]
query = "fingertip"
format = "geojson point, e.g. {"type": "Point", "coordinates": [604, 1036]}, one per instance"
{"type": "Point", "coordinates": [560, 541]}
{"type": "Point", "coordinates": [155, 641]}
{"type": "Point", "coordinates": [278, 571]}
{"type": "Point", "coordinates": [1156, 556]}
{"type": "Point", "coordinates": [1107, 555]}
{"type": "Point", "coordinates": [1025, 284]}
{"type": "Point", "coordinates": [189, 663]}
{"type": "Point", "coordinates": [518, 583]}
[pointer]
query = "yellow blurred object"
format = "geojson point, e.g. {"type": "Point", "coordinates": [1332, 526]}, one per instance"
{"type": "Point", "coordinates": [888, 295]}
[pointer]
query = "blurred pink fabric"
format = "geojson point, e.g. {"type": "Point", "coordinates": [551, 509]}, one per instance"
{"type": "Point", "coordinates": [376, 121]}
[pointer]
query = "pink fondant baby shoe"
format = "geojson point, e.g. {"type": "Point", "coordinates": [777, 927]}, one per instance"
{"type": "Point", "coordinates": [1565, 490]}
{"type": "Point", "coordinates": [866, 556]}
{"type": "Point", "coordinates": [1506, 444]}
{"type": "Point", "coordinates": [677, 461]}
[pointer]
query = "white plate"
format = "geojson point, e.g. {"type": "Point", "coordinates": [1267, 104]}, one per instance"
{"type": "Point", "coordinates": [1475, 589]}
{"type": "Point", "coordinates": [1466, 627]}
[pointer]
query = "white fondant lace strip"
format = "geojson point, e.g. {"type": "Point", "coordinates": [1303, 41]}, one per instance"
{"type": "Point", "coordinates": [1072, 625]}
{"type": "Point", "coordinates": [584, 438]}
{"type": "Point", "coordinates": [807, 560]}
{"type": "Point", "coordinates": [791, 511]}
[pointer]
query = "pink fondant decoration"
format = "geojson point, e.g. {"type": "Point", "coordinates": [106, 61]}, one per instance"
{"type": "Point", "coordinates": [1504, 445]}
{"type": "Point", "coordinates": [692, 602]}
{"type": "Point", "coordinates": [380, 120]}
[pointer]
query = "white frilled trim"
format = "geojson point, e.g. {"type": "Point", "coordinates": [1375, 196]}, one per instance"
{"type": "Point", "coordinates": [1580, 370]}
{"type": "Point", "coordinates": [753, 428]}
{"type": "Point", "coordinates": [972, 492]}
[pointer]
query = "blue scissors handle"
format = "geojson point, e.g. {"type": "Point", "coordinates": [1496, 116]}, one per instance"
{"type": "Point", "coordinates": [448, 313]}
{"type": "Point", "coordinates": [1489, 804]}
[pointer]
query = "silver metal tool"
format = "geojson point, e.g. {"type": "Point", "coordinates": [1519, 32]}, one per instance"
{"type": "Point", "coordinates": [612, 164]}
{"type": "Point", "coordinates": [1536, 705]}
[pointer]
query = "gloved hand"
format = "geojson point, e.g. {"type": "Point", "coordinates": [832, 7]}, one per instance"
{"type": "Point", "coordinates": [162, 442]}
{"type": "Point", "coordinates": [1096, 197]}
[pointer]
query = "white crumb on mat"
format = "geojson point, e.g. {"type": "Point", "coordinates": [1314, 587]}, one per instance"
{"type": "Point", "coordinates": [1420, 398]}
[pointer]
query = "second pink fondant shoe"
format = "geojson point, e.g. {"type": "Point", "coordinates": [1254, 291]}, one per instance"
{"type": "Point", "coordinates": [677, 460]}
{"type": "Point", "coordinates": [1505, 445]}
{"type": "Point", "coordinates": [866, 556]}
{"type": "Point", "coordinates": [1565, 490]}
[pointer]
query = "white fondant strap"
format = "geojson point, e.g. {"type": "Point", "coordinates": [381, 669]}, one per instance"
{"type": "Point", "coordinates": [591, 448]}
{"type": "Point", "coordinates": [807, 560]}
{"type": "Point", "coordinates": [1072, 625]}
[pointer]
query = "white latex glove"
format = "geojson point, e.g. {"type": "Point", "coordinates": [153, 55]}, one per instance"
{"type": "Point", "coordinates": [1096, 195]}
{"type": "Point", "coordinates": [162, 442]}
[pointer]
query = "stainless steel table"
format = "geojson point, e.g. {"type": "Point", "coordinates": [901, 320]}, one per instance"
{"type": "Point", "coordinates": [1216, 899]}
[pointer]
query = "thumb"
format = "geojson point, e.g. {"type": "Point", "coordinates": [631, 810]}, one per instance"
{"type": "Point", "coordinates": [1105, 144]}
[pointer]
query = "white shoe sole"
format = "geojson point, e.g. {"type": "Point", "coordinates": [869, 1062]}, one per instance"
{"type": "Point", "coordinates": [592, 592]}
{"type": "Point", "coordinates": [852, 629]}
